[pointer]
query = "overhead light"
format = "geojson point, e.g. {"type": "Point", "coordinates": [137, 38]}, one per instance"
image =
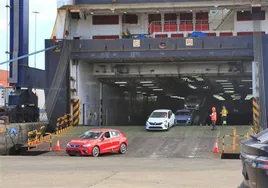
{"type": "Point", "coordinates": [157, 89]}
{"type": "Point", "coordinates": [138, 91]}
{"type": "Point", "coordinates": [226, 83]}
{"type": "Point", "coordinates": [246, 80]}
{"type": "Point", "coordinates": [248, 97]}
{"type": "Point", "coordinates": [241, 85]}
{"type": "Point", "coordinates": [177, 97]}
{"type": "Point", "coordinates": [125, 12]}
{"type": "Point", "coordinates": [146, 82]}
{"type": "Point", "coordinates": [157, 11]}
{"type": "Point", "coordinates": [120, 82]}
{"type": "Point", "coordinates": [191, 86]}
{"type": "Point", "coordinates": [242, 10]}
{"type": "Point", "coordinates": [148, 85]}
{"type": "Point", "coordinates": [228, 91]}
{"type": "Point", "coordinates": [220, 93]}
{"type": "Point", "coordinates": [221, 80]}
{"type": "Point", "coordinates": [187, 79]}
{"type": "Point", "coordinates": [152, 94]}
{"type": "Point", "coordinates": [219, 97]}
{"type": "Point", "coordinates": [122, 85]}
{"type": "Point", "coordinates": [236, 97]}
{"type": "Point", "coordinates": [92, 13]}
{"type": "Point", "coordinates": [143, 92]}
{"type": "Point", "coordinates": [199, 79]}
{"type": "Point", "coordinates": [228, 88]}
{"type": "Point", "coordinates": [138, 87]}
{"type": "Point", "coordinates": [154, 87]}
{"type": "Point", "coordinates": [191, 10]}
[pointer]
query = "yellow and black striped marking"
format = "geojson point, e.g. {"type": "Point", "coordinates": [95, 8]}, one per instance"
{"type": "Point", "coordinates": [256, 116]}
{"type": "Point", "coordinates": [76, 111]}
{"type": "Point", "coordinates": [64, 123]}
{"type": "Point", "coordinates": [70, 120]}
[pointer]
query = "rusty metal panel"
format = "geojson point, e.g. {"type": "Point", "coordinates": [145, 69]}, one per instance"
{"type": "Point", "coordinates": [212, 43]}
{"type": "Point", "coordinates": [112, 45]}
{"type": "Point", "coordinates": [237, 42]}
{"type": "Point", "coordinates": [162, 43]}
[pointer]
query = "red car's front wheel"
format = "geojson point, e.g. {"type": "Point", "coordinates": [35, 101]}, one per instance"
{"type": "Point", "coordinates": [123, 148]}
{"type": "Point", "coordinates": [95, 151]}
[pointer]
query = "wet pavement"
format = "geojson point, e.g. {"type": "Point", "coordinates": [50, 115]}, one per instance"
{"type": "Point", "coordinates": [178, 142]}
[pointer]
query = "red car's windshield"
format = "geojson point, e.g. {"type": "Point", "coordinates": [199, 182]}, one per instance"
{"type": "Point", "coordinates": [90, 135]}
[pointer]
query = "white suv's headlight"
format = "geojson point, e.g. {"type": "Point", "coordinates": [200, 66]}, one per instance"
{"type": "Point", "coordinates": [86, 145]}
{"type": "Point", "coordinates": [189, 119]}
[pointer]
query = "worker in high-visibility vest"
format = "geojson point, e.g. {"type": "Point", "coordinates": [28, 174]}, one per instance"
{"type": "Point", "coordinates": [224, 113]}
{"type": "Point", "coordinates": [213, 116]}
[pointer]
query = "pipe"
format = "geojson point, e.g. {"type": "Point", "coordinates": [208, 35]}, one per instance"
{"type": "Point", "coordinates": [27, 55]}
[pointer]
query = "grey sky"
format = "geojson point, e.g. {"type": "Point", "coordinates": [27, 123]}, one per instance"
{"type": "Point", "coordinates": [45, 23]}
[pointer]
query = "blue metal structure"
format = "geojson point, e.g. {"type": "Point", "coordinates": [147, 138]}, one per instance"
{"type": "Point", "coordinates": [19, 38]}
{"type": "Point", "coordinates": [21, 75]}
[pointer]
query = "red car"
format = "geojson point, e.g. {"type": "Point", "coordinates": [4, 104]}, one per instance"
{"type": "Point", "coordinates": [98, 141]}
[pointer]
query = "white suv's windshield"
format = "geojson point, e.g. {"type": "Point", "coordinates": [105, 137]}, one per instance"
{"type": "Point", "coordinates": [159, 115]}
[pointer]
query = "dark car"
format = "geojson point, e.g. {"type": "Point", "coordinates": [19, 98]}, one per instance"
{"type": "Point", "coordinates": [254, 157]}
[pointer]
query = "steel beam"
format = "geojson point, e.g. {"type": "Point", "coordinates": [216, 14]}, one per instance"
{"type": "Point", "coordinates": [19, 38]}
{"type": "Point", "coordinates": [169, 69]}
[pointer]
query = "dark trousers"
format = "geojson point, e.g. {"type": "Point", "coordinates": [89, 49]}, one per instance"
{"type": "Point", "coordinates": [213, 125]}
{"type": "Point", "coordinates": [224, 120]}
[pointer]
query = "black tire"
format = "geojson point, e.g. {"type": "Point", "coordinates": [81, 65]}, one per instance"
{"type": "Point", "coordinates": [123, 148]}
{"type": "Point", "coordinates": [95, 151]}
{"type": "Point", "coordinates": [71, 155]}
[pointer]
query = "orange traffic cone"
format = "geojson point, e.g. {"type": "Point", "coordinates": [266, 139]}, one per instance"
{"type": "Point", "coordinates": [216, 147]}
{"type": "Point", "coordinates": [58, 145]}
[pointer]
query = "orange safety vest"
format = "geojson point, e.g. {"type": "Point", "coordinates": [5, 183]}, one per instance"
{"type": "Point", "coordinates": [214, 116]}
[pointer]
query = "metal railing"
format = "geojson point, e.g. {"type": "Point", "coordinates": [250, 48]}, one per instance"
{"type": "Point", "coordinates": [234, 142]}
{"type": "Point", "coordinates": [36, 138]}
{"type": "Point", "coordinates": [180, 25]}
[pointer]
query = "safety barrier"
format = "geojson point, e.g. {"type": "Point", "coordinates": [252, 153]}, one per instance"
{"type": "Point", "coordinates": [64, 123]}
{"type": "Point", "coordinates": [256, 115]}
{"type": "Point", "coordinates": [234, 143]}
{"type": "Point", "coordinates": [35, 138]}
{"type": "Point", "coordinates": [76, 111]}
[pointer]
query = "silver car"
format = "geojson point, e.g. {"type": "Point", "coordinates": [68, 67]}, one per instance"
{"type": "Point", "coordinates": [192, 103]}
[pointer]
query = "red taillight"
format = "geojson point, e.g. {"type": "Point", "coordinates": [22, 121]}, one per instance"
{"type": "Point", "coordinates": [263, 164]}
